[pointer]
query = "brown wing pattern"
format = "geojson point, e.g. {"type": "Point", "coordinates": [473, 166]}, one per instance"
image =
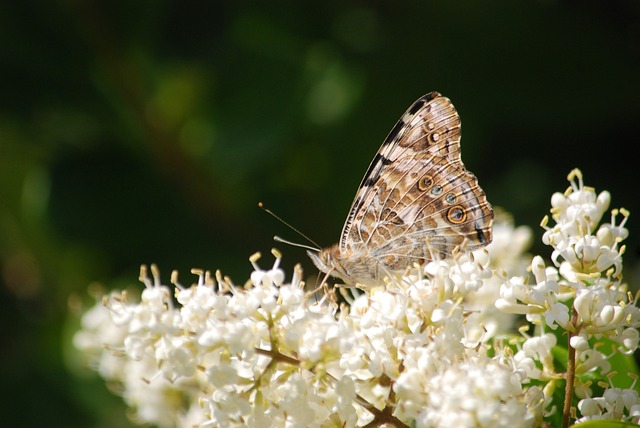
{"type": "Point", "coordinates": [417, 191]}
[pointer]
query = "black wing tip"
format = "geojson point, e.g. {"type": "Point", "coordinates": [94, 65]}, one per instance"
{"type": "Point", "coordinates": [430, 96]}
{"type": "Point", "coordinates": [420, 102]}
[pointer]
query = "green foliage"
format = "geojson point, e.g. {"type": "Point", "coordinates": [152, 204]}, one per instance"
{"type": "Point", "coordinates": [604, 424]}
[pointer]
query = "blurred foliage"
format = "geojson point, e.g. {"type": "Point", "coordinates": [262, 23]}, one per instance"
{"type": "Point", "coordinates": [147, 131]}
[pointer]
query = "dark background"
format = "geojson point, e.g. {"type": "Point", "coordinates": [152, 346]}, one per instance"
{"type": "Point", "coordinates": [146, 132]}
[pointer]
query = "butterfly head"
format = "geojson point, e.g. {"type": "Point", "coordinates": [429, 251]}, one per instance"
{"type": "Point", "coordinates": [327, 260]}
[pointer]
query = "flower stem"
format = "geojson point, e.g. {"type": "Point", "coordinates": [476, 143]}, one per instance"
{"type": "Point", "coordinates": [570, 375]}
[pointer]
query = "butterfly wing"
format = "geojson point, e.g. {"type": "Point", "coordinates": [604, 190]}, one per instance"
{"type": "Point", "coordinates": [417, 197]}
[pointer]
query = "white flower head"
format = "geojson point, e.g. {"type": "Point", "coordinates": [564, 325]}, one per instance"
{"type": "Point", "coordinates": [478, 392]}
{"type": "Point", "coordinates": [434, 348]}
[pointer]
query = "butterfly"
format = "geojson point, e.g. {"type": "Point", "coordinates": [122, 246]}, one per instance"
{"type": "Point", "coordinates": [416, 201]}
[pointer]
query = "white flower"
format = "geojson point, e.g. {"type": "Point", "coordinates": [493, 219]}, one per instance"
{"type": "Point", "coordinates": [537, 301]}
{"type": "Point", "coordinates": [260, 277]}
{"type": "Point", "coordinates": [611, 233]}
{"type": "Point", "coordinates": [508, 248]}
{"type": "Point", "coordinates": [473, 393]}
{"type": "Point", "coordinates": [98, 332]}
{"type": "Point", "coordinates": [433, 349]}
{"type": "Point", "coordinates": [539, 348]}
{"type": "Point", "coordinates": [512, 292]}
{"type": "Point", "coordinates": [575, 238]}
{"type": "Point", "coordinates": [615, 404]}
{"type": "Point", "coordinates": [579, 207]}
{"type": "Point", "coordinates": [590, 360]}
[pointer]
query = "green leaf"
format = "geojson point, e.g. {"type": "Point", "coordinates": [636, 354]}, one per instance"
{"type": "Point", "coordinates": [604, 424]}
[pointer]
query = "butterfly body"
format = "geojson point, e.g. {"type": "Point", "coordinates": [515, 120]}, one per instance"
{"type": "Point", "coordinates": [416, 201]}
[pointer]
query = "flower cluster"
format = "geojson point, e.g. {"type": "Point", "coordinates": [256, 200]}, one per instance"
{"type": "Point", "coordinates": [431, 349]}
{"type": "Point", "coordinates": [583, 294]}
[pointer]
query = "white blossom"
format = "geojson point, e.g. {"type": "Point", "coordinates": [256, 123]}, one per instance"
{"type": "Point", "coordinates": [435, 348]}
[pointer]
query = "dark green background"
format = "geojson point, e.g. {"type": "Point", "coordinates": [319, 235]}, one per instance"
{"type": "Point", "coordinates": [147, 131]}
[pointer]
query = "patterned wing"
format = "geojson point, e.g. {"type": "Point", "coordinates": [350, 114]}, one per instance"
{"type": "Point", "coordinates": [417, 190]}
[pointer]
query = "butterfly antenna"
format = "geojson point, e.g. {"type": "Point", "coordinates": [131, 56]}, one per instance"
{"type": "Point", "coordinates": [278, 239]}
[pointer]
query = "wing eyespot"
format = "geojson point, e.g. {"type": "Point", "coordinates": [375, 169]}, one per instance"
{"type": "Point", "coordinates": [425, 183]}
{"type": "Point", "coordinates": [456, 214]}
{"type": "Point", "coordinates": [450, 198]}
